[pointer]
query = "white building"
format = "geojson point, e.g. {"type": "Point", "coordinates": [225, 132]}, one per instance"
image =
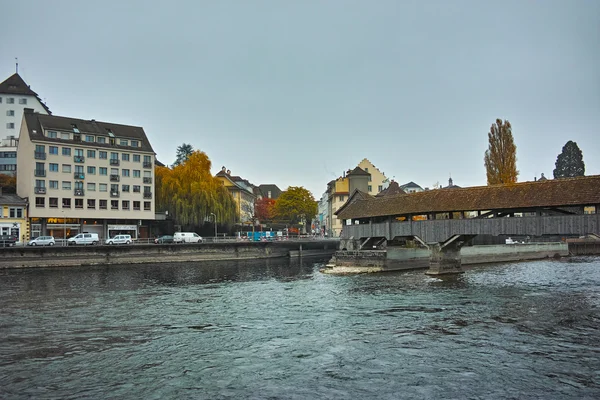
{"type": "Point", "coordinates": [85, 176]}
{"type": "Point", "coordinates": [15, 96]}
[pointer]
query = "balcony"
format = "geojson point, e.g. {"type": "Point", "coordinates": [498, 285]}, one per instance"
{"type": "Point", "coordinates": [114, 194]}
{"type": "Point", "coordinates": [79, 192]}
{"type": "Point", "coordinates": [147, 195]}
{"type": "Point", "coordinates": [40, 155]}
{"type": "Point", "coordinates": [114, 161]}
{"type": "Point", "coordinates": [147, 180]}
{"type": "Point", "coordinates": [40, 172]}
{"type": "Point", "coordinates": [79, 175]}
{"type": "Point", "coordinates": [79, 159]}
{"type": "Point", "coordinates": [147, 164]}
{"type": "Point", "coordinates": [114, 178]}
{"type": "Point", "coordinates": [39, 190]}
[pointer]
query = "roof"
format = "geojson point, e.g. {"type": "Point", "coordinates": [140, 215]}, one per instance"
{"type": "Point", "coordinates": [410, 185]}
{"type": "Point", "coordinates": [11, 199]}
{"type": "Point", "coordinates": [37, 123]}
{"type": "Point", "coordinates": [238, 182]}
{"type": "Point", "coordinates": [357, 195]}
{"type": "Point", "coordinates": [15, 85]}
{"type": "Point", "coordinates": [392, 189]}
{"type": "Point", "coordinates": [358, 171]}
{"type": "Point", "coordinates": [526, 195]}
{"type": "Point", "coordinates": [269, 187]}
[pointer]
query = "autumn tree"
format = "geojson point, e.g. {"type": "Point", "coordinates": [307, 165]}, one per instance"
{"type": "Point", "coordinates": [501, 156]}
{"type": "Point", "coordinates": [264, 209]}
{"type": "Point", "coordinates": [8, 183]}
{"type": "Point", "coordinates": [569, 163]}
{"type": "Point", "coordinates": [183, 153]}
{"type": "Point", "coordinates": [190, 193]}
{"type": "Point", "coordinates": [295, 205]}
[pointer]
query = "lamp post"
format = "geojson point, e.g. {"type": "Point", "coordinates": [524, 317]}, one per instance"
{"type": "Point", "coordinates": [64, 228]}
{"type": "Point", "coordinates": [215, 222]}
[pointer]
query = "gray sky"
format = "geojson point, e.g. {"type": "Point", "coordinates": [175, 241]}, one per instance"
{"type": "Point", "coordinates": [295, 92]}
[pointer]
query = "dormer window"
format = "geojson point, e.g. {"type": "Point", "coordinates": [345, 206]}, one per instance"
{"type": "Point", "coordinates": [75, 129]}
{"type": "Point", "coordinates": [51, 134]}
{"type": "Point", "coordinates": [110, 133]}
{"type": "Point", "coordinates": [124, 142]}
{"type": "Point", "coordinates": [135, 143]}
{"type": "Point", "coordinates": [101, 139]}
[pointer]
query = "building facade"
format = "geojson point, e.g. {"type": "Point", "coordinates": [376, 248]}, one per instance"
{"type": "Point", "coordinates": [15, 96]}
{"type": "Point", "coordinates": [85, 176]}
{"type": "Point", "coordinates": [243, 194]}
{"type": "Point", "coordinates": [378, 180]}
{"type": "Point", "coordinates": [13, 216]}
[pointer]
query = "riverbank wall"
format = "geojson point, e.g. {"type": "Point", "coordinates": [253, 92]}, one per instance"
{"type": "Point", "coordinates": [398, 258]}
{"type": "Point", "coordinates": [57, 256]}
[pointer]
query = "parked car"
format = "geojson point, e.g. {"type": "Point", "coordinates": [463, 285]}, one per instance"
{"type": "Point", "coordinates": [187, 237]}
{"type": "Point", "coordinates": [164, 239]}
{"type": "Point", "coordinates": [7, 240]}
{"type": "Point", "coordinates": [84, 238]}
{"type": "Point", "coordinates": [119, 239]}
{"type": "Point", "coordinates": [42, 241]}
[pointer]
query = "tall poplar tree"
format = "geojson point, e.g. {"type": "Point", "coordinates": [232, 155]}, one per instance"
{"type": "Point", "coordinates": [501, 156]}
{"type": "Point", "coordinates": [569, 163]}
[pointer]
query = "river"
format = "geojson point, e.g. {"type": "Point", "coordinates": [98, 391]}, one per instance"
{"type": "Point", "coordinates": [280, 329]}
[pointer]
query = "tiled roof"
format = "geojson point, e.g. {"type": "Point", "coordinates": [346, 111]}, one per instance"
{"type": "Point", "coordinates": [358, 171]}
{"type": "Point", "coordinates": [15, 85]}
{"type": "Point", "coordinates": [37, 123]}
{"type": "Point", "coordinates": [550, 193]}
{"type": "Point", "coordinates": [392, 189]}
{"type": "Point", "coordinates": [410, 185]}
{"type": "Point", "coordinates": [10, 199]}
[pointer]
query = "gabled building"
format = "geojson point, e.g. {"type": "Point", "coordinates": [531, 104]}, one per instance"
{"type": "Point", "coordinates": [378, 181]}
{"type": "Point", "coordinates": [243, 193]}
{"type": "Point", "coordinates": [15, 96]}
{"type": "Point", "coordinates": [85, 176]}
{"type": "Point", "coordinates": [411, 187]}
{"type": "Point", "coordinates": [13, 216]}
{"type": "Point", "coordinates": [392, 189]}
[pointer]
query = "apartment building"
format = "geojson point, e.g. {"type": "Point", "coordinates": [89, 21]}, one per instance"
{"type": "Point", "coordinates": [243, 193]}
{"type": "Point", "coordinates": [15, 96]}
{"type": "Point", "coordinates": [85, 176]}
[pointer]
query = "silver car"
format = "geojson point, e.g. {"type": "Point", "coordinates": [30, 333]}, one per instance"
{"type": "Point", "coordinates": [42, 241]}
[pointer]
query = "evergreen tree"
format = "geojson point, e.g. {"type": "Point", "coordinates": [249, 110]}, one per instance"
{"type": "Point", "coordinates": [501, 156]}
{"type": "Point", "coordinates": [569, 163]}
{"type": "Point", "coordinates": [183, 153]}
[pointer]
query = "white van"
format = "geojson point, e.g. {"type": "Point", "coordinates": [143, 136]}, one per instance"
{"type": "Point", "coordinates": [84, 238]}
{"type": "Point", "coordinates": [119, 239]}
{"type": "Point", "coordinates": [187, 237]}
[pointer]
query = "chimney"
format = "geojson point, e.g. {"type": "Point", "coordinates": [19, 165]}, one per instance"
{"type": "Point", "coordinates": [28, 110]}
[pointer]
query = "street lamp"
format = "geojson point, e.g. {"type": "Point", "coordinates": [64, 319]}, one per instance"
{"type": "Point", "coordinates": [215, 222]}
{"type": "Point", "coordinates": [64, 228]}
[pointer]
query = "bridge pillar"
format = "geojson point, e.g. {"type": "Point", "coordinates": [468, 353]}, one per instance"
{"type": "Point", "coordinates": [444, 259]}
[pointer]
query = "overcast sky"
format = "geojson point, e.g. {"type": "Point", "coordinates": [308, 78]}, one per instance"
{"type": "Point", "coordinates": [295, 92]}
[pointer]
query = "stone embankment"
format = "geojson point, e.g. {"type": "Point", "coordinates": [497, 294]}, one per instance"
{"type": "Point", "coordinates": [57, 256]}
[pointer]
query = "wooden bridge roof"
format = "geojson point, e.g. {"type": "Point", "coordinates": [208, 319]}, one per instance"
{"type": "Point", "coordinates": [578, 191]}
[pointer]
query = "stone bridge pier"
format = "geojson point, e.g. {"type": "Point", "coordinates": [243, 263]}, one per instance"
{"type": "Point", "coordinates": [445, 257]}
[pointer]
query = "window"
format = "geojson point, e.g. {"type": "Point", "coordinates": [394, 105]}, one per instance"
{"type": "Point", "coordinates": [53, 167]}
{"type": "Point", "coordinates": [15, 212]}
{"type": "Point", "coordinates": [51, 135]}
{"type": "Point", "coordinates": [136, 158]}
{"type": "Point", "coordinates": [91, 204]}
{"type": "Point", "coordinates": [125, 205]}
{"type": "Point", "coordinates": [10, 113]}
{"type": "Point", "coordinates": [78, 203]}
{"type": "Point", "coordinates": [66, 185]}
{"type": "Point", "coordinates": [40, 183]}
{"type": "Point", "coordinates": [147, 206]}
{"type": "Point", "coordinates": [136, 205]}
{"type": "Point", "coordinates": [341, 198]}
{"type": "Point", "coordinates": [53, 150]}
{"type": "Point", "coordinates": [103, 171]}
{"type": "Point", "coordinates": [53, 184]}
{"type": "Point", "coordinates": [147, 160]}
{"type": "Point", "coordinates": [66, 151]}
{"type": "Point", "coordinates": [369, 188]}
{"type": "Point", "coordinates": [136, 188]}
{"type": "Point", "coordinates": [10, 125]}
{"type": "Point", "coordinates": [103, 187]}
{"type": "Point", "coordinates": [114, 204]}
{"type": "Point", "coordinates": [91, 153]}
{"type": "Point", "coordinates": [66, 203]}
{"type": "Point", "coordinates": [102, 155]}
{"type": "Point", "coordinates": [10, 100]}
{"type": "Point", "coordinates": [114, 188]}
{"type": "Point", "coordinates": [114, 156]}
{"type": "Point", "coordinates": [40, 202]}
{"type": "Point", "coordinates": [91, 170]}
{"type": "Point", "coordinates": [137, 173]}
{"type": "Point", "coordinates": [125, 188]}
{"type": "Point", "coordinates": [135, 143]}
{"type": "Point", "coordinates": [114, 171]}
{"type": "Point", "coordinates": [380, 188]}
{"type": "Point", "coordinates": [53, 202]}
{"type": "Point", "coordinates": [124, 142]}
{"type": "Point", "coordinates": [89, 138]}
{"type": "Point", "coordinates": [66, 168]}
{"type": "Point", "coordinates": [125, 172]}
{"type": "Point", "coordinates": [79, 169]}
{"type": "Point", "coordinates": [22, 101]}
{"type": "Point", "coordinates": [103, 204]}
{"type": "Point", "coordinates": [148, 174]}
{"type": "Point", "coordinates": [101, 139]}
{"type": "Point", "coordinates": [125, 157]}
{"type": "Point", "coordinates": [74, 127]}
{"type": "Point", "coordinates": [91, 187]}
{"type": "Point", "coordinates": [65, 135]}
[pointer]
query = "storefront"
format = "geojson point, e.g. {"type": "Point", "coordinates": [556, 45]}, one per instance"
{"type": "Point", "coordinates": [62, 228]}
{"type": "Point", "coordinates": [123, 230]}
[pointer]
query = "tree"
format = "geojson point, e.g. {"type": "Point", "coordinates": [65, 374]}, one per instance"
{"type": "Point", "coordinates": [190, 193]}
{"type": "Point", "coordinates": [569, 163]}
{"type": "Point", "coordinates": [8, 183]}
{"type": "Point", "coordinates": [501, 156]}
{"type": "Point", "coordinates": [264, 209]}
{"type": "Point", "coordinates": [295, 205]}
{"type": "Point", "coordinates": [183, 153]}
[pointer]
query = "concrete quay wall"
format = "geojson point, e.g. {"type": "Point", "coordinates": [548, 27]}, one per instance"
{"type": "Point", "coordinates": [57, 256]}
